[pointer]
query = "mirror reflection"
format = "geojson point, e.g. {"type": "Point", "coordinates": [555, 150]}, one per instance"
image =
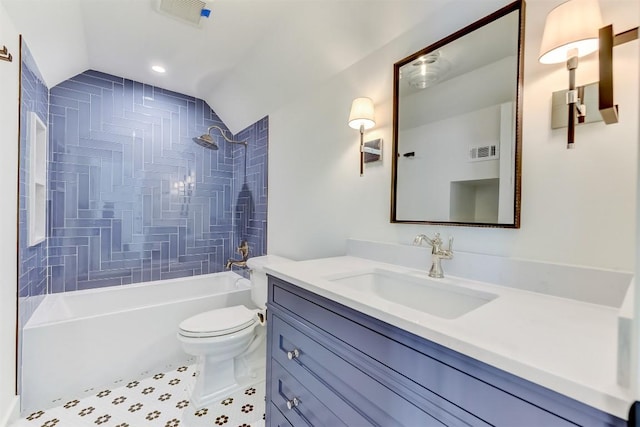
{"type": "Point", "coordinates": [456, 127]}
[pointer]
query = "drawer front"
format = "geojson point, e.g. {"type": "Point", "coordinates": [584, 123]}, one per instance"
{"type": "Point", "coordinates": [356, 396]}
{"type": "Point", "coordinates": [305, 409]}
{"type": "Point", "coordinates": [276, 419]}
{"type": "Point", "coordinates": [479, 398]}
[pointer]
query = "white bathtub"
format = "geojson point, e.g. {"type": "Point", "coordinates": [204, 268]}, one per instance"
{"type": "Point", "coordinates": [82, 341]}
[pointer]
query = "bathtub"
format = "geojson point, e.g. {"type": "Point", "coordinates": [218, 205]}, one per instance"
{"type": "Point", "coordinates": [78, 343]}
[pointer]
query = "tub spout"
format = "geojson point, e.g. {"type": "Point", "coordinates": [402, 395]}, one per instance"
{"type": "Point", "coordinates": [231, 263]}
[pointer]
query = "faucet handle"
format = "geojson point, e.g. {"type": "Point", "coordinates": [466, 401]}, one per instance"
{"type": "Point", "coordinates": [417, 241]}
{"type": "Point", "coordinates": [450, 249]}
{"type": "Point", "coordinates": [423, 238]}
{"type": "Point", "coordinates": [243, 249]}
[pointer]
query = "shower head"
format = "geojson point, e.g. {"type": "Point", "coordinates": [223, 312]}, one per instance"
{"type": "Point", "coordinates": [207, 141]}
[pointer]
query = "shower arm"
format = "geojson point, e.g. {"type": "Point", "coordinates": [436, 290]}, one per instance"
{"type": "Point", "coordinates": [224, 135]}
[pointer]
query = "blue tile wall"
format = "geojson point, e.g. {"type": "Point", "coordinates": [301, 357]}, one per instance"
{"type": "Point", "coordinates": [32, 261]}
{"type": "Point", "coordinates": [133, 198]}
{"type": "Point", "coordinates": [34, 97]}
{"type": "Point", "coordinates": [250, 194]}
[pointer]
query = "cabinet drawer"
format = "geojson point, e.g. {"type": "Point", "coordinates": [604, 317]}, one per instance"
{"type": "Point", "coordinates": [276, 419]}
{"type": "Point", "coordinates": [430, 367]}
{"type": "Point", "coordinates": [358, 397]}
{"type": "Point", "coordinates": [307, 409]}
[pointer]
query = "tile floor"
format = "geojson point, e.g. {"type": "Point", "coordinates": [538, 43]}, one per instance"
{"type": "Point", "coordinates": [160, 400]}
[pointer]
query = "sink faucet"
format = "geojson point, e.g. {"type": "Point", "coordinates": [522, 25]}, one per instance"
{"type": "Point", "coordinates": [437, 253]}
{"type": "Point", "coordinates": [243, 250]}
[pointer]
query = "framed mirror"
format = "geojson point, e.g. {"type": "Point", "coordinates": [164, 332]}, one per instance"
{"type": "Point", "coordinates": [457, 117]}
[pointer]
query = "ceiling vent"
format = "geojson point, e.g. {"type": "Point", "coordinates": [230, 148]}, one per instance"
{"type": "Point", "coordinates": [189, 11]}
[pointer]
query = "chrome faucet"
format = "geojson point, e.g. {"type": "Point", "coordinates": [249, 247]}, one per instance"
{"type": "Point", "coordinates": [437, 253]}
{"type": "Point", "coordinates": [243, 250]}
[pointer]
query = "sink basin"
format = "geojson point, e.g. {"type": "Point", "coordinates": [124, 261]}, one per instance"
{"type": "Point", "coordinates": [445, 300]}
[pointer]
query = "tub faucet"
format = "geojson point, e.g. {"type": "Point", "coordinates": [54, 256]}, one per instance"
{"type": "Point", "coordinates": [437, 253]}
{"type": "Point", "coordinates": [243, 250]}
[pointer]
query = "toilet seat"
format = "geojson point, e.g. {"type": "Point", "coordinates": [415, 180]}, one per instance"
{"type": "Point", "coordinates": [219, 322]}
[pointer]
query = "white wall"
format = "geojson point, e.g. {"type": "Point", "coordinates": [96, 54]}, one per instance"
{"type": "Point", "coordinates": [442, 156]}
{"type": "Point", "coordinates": [578, 206]}
{"type": "Point", "coordinates": [8, 217]}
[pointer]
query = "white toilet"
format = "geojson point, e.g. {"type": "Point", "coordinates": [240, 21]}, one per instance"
{"type": "Point", "coordinates": [225, 340]}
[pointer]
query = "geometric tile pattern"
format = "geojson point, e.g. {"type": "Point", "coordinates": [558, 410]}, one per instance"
{"type": "Point", "coordinates": [34, 97]}
{"type": "Point", "coordinates": [250, 192]}
{"type": "Point", "coordinates": [133, 198]}
{"type": "Point", "coordinates": [160, 400]}
{"type": "Point", "coordinates": [32, 260]}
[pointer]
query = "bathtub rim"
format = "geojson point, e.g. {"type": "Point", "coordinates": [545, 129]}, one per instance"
{"type": "Point", "coordinates": [52, 298]}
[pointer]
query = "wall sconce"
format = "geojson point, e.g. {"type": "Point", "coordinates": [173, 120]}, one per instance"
{"type": "Point", "coordinates": [571, 31]}
{"type": "Point", "coordinates": [362, 117]}
{"type": "Point", "coordinates": [574, 29]}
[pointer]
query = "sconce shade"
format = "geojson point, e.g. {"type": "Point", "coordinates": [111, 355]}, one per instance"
{"type": "Point", "coordinates": [362, 114]}
{"type": "Point", "coordinates": [571, 25]}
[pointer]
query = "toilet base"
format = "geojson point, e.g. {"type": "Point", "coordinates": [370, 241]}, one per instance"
{"type": "Point", "coordinates": [226, 377]}
{"type": "Point", "coordinates": [200, 400]}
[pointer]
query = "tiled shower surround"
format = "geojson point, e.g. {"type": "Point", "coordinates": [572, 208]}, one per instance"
{"type": "Point", "coordinates": [32, 260]}
{"type": "Point", "coordinates": [133, 198]}
{"type": "Point", "coordinates": [34, 97]}
{"type": "Point", "coordinates": [250, 187]}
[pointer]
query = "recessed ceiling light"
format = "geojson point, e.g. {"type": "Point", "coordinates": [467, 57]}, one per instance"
{"type": "Point", "coordinates": [158, 69]}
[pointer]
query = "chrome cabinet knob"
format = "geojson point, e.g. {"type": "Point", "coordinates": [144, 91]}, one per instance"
{"type": "Point", "coordinates": [293, 403]}
{"type": "Point", "coordinates": [293, 354]}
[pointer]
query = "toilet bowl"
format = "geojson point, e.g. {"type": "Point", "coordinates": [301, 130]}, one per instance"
{"type": "Point", "coordinates": [225, 339]}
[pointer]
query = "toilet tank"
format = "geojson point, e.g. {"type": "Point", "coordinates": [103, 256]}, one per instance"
{"type": "Point", "coordinates": [259, 276]}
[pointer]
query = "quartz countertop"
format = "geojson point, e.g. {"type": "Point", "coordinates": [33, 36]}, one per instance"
{"type": "Point", "coordinates": [566, 345]}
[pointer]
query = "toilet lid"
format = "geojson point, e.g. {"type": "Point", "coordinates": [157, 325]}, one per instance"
{"type": "Point", "coordinates": [222, 321]}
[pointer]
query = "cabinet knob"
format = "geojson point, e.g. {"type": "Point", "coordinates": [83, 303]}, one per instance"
{"type": "Point", "coordinates": [293, 354]}
{"type": "Point", "coordinates": [293, 403]}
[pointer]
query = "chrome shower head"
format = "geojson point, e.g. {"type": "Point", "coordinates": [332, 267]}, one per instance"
{"type": "Point", "coordinates": [206, 141]}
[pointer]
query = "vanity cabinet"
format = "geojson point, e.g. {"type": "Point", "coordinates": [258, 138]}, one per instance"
{"type": "Point", "coordinates": [330, 365]}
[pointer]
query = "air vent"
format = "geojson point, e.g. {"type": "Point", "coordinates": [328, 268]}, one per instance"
{"type": "Point", "coordinates": [185, 10]}
{"type": "Point", "coordinates": [484, 152]}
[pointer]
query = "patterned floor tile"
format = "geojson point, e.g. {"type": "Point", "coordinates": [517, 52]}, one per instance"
{"type": "Point", "coordinates": [160, 400]}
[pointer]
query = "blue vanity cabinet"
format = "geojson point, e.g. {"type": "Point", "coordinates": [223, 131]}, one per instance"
{"type": "Point", "coordinates": [276, 419]}
{"type": "Point", "coordinates": [330, 365]}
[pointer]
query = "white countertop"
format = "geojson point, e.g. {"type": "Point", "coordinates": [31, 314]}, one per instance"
{"type": "Point", "coordinates": [566, 345]}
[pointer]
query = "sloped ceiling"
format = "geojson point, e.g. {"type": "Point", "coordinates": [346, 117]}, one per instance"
{"type": "Point", "coordinates": [248, 58]}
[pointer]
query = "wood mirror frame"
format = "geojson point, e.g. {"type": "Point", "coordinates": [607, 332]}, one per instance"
{"type": "Point", "coordinates": [473, 200]}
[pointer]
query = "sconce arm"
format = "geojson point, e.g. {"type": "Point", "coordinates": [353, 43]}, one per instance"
{"type": "Point", "coordinates": [361, 150]}
{"type": "Point", "coordinates": [625, 36]}
{"type": "Point", "coordinates": [608, 109]}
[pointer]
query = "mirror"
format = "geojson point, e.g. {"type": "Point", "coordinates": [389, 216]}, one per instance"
{"type": "Point", "coordinates": [457, 127]}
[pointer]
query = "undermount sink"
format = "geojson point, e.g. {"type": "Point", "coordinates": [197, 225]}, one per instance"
{"type": "Point", "coordinates": [444, 300]}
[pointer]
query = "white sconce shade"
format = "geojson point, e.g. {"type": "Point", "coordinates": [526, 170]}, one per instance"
{"type": "Point", "coordinates": [571, 25]}
{"type": "Point", "coordinates": [362, 114]}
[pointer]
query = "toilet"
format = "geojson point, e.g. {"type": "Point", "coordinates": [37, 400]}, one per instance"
{"type": "Point", "coordinates": [229, 342]}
